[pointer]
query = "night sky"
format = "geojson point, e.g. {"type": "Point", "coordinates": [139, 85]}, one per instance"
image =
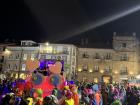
{"type": "Point", "coordinates": [66, 21]}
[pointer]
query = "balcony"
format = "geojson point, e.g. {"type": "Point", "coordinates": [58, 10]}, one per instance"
{"type": "Point", "coordinates": [107, 71]}
{"type": "Point", "coordinates": [123, 73]}
{"type": "Point", "coordinates": [96, 70]}
{"type": "Point", "coordinates": [85, 56]}
{"type": "Point", "coordinates": [65, 52]}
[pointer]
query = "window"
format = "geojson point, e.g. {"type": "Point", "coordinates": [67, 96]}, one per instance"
{"type": "Point", "coordinates": [124, 57]}
{"type": "Point", "coordinates": [107, 69]}
{"type": "Point", "coordinates": [25, 56]}
{"type": "Point", "coordinates": [96, 68]}
{"type": "Point", "coordinates": [85, 67]}
{"type": "Point", "coordinates": [23, 67]}
{"type": "Point", "coordinates": [11, 56]}
{"type": "Point", "coordinates": [32, 56]}
{"type": "Point", "coordinates": [17, 56]}
{"type": "Point", "coordinates": [15, 67]}
{"type": "Point", "coordinates": [54, 50]}
{"type": "Point", "coordinates": [97, 56]}
{"type": "Point", "coordinates": [49, 49]}
{"type": "Point", "coordinates": [85, 55]}
{"type": "Point", "coordinates": [64, 58]}
{"type": "Point", "coordinates": [123, 70]}
{"type": "Point", "coordinates": [65, 50]}
{"type": "Point", "coordinates": [123, 45]}
{"type": "Point", "coordinates": [108, 56]}
{"type": "Point", "coordinates": [23, 43]}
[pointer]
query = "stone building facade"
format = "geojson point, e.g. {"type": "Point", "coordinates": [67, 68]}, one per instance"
{"type": "Point", "coordinates": [15, 57]}
{"type": "Point", "coordinates": [116, 64]}
{"type": "Point", "coordinates": [121, 62]}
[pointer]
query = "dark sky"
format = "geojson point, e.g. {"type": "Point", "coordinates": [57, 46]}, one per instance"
{"type": "Point", "coordinates": [66, 21]}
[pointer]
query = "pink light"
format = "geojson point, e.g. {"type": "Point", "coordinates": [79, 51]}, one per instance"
{"type": "Point", "coordinates": [51, 64]}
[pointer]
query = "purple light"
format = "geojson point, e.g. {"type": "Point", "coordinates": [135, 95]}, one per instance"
{"type": "Point", "coordinates": [46, 63]}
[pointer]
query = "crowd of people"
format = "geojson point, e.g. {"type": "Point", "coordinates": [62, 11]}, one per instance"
{"type": "Point", "coordinates": [73, 93]}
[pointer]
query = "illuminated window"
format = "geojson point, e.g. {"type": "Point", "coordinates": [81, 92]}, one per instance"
{"type": "Point", "coordinates": [124, 57]}
{"type": "Point", "coordinates": [23, 67]}
{"type": "Point", "coordinates": [25, 56]}
{"type": "Point", "coordinates": [85, 67]}
{"type": "Point", "coordinates": [49, 49]}
{"type": "Point", "coordinates": [96, 68]}
{"type": "Point", "coordinates": [54, 50]}
{"type": "Point", "coordinates": [32, 56]}
{"type": "Point", "coordinates": [107, 69]}
{"type": "Point", "coordinates": [123, 70]}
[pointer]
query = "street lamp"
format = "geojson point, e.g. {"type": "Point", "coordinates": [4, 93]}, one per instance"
{"type": "Point", "coordinates": [79, 70]}
{"type": "Point", "coordinates": [90, 70]}
{"type": "Point", "coordinates": [47, 43]}
{"type": "Point", "coordinates": [7, 52]}
{"type": "Point", "coordinates": [101, 71]}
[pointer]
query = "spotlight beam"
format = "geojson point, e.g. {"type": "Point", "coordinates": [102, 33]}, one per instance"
{"type": "Point", "coordinates": [101, 22]}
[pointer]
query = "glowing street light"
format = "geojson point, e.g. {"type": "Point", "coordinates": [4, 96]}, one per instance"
{"type": "Point", "coordinates": [131, 73]}
{"type": "Point", "coordinates": [90, 70]}
{"type": "Point", "coordinates": [47, 43]}
{"type": "Point", "coordinates": [116, 72]}
{"type": "Point", "coordinates": [101, 71]}
{"type": "Point", "coordinates": [7, 52]}
{"type": "Point", "coordinates": [79, 70]}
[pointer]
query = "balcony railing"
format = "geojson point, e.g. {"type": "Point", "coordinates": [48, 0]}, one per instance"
{"type": "Point", "coordinates": [96, 70]}
{"type": "Point", "coordinates": [123, 73]}
{"type": "Point", "coordinates": [85, 56]}
{"type": "Point", "coordinates": [107, 70]}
